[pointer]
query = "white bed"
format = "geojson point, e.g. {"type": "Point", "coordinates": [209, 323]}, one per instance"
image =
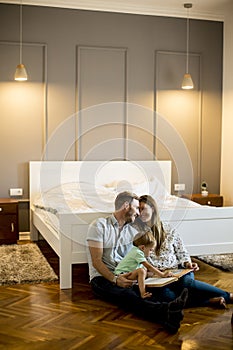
{"type": "Point", "coordinates": [205, 230]}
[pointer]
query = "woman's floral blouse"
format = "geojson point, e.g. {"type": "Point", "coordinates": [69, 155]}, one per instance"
{"type": "Point", "coordinates": [172, 253]}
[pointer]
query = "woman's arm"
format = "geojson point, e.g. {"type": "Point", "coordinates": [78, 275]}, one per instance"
{"type": "Point", "coordinates": [182, 253]}
{"type": "Point", "coordinates": [180, 249]}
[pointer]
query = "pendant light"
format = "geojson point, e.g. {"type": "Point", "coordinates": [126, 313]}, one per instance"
{"type": "Point", "coordinates": [21, 73]}
{"type": "Point", "coordinates": [187, 82]}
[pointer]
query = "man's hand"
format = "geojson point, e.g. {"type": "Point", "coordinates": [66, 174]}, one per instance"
{"type": "Point", "coordinates": [123, 281]}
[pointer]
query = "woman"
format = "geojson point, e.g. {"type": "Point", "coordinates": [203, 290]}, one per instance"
{"type": "Point", "coordinates": [171, 253]}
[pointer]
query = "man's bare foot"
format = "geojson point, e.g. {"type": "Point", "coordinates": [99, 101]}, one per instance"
{"type": "Point", "coordinates": [146, 295]}
{"type": "Point", "coordinates": [218, 302]}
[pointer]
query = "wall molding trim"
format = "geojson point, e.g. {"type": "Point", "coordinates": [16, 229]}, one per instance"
{"type": "Point", "coordinates": [205, 11]}
{"type": "Point", "coordinates": [179, 101]}
{"type": "Point", "coordinates": [79, 132]}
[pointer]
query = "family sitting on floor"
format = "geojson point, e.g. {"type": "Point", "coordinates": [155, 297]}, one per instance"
{"type": "Point", "coordinates": [135, 233]}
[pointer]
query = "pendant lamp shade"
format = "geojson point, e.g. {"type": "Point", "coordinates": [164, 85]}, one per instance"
{"type": "Point", "coordinates": [187, 82]}
{"type": "Point", "coordinates": [21, 72]}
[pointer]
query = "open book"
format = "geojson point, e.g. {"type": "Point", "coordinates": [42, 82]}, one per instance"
{"type": "Point", "coordinates": [162, 281]}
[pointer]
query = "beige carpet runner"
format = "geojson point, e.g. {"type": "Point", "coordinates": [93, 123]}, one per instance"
{"type": "Point", "coordinates": [24, 264]}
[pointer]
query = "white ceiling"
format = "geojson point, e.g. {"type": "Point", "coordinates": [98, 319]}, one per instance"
{"type": "Point", "coordinates": [202, 9]}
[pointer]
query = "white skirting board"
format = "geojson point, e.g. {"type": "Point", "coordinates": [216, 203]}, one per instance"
{"type": "Point", "coordinates": [24, 236]}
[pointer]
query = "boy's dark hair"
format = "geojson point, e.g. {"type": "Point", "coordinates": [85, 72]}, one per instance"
{"type": "Point", "coordinates": [124, 197]}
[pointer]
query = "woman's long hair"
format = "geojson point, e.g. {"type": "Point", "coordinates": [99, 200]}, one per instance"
{"type": "Point", "coordinates": [156, 224]}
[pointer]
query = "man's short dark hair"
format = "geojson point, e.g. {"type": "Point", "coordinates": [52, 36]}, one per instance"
{"type": "Point", "coordinates": [123, 197]}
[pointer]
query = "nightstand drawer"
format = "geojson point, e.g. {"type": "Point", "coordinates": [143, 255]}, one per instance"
{"type": "Point", "coordinates": [10, 208]}
{"type": "Point", "coordinates": [9, 231]}
{"type": "Point", "coordinates": [214, 200]}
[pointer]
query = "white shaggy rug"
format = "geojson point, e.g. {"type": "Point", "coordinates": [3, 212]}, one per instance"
{"type": "Point", "coordinates": [24, 264]}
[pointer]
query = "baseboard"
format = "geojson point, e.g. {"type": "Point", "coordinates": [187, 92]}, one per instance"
{"type": "Point", "coordinates": [24, 236]}
{"type": "Point", "coordinates": [210, 249]}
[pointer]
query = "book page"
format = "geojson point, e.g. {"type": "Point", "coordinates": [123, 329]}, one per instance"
{"type": "Point", "coordinates": [162, 281]}
{"type": "Point", "coordinates": [159, 281]}
{"type": "Point", "coordinates": [180, 272]}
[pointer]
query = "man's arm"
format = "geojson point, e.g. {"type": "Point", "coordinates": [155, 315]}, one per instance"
{"type": "Point", "coordinates": [96, 251]}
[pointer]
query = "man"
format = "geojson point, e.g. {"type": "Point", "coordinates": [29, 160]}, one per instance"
{"type": "Point", "coordinates": [108, 240]}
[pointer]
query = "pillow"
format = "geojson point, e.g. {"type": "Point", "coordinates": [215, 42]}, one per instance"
{"type": "Point", "coordinates": [152, 186]}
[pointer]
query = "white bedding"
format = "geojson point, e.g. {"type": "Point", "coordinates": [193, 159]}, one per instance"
{"type": "Point", "coordinates": [48, 218]}
{"type": "Point", "coordinates": [86, 198]}
{"type": "Point", "coordinates": [76, 198]}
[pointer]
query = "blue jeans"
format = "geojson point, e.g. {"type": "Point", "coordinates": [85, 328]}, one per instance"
{"type": "Point", "coordinates": [199, 292]}
{"type": "Point", "coordinates": [130, 300]}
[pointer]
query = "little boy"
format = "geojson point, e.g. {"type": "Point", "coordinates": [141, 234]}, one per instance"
{"type": "Point", "coordinates": [136, 263]}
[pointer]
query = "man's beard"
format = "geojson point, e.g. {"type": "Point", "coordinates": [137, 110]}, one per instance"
{"type": "Point", "coordinates": [129, 217]}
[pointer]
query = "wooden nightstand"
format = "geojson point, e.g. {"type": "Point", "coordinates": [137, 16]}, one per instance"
{"type": "Point", "coordinates": [214, 200]}
{"type": "Point", "coordinates": [9, 233]}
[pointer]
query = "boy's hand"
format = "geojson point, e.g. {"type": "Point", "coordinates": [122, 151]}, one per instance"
{"type": "Point", "coordinates": [168, 274]}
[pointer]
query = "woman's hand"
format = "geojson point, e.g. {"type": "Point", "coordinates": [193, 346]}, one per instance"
{"type": "Point", "coordinates": [192, 265]}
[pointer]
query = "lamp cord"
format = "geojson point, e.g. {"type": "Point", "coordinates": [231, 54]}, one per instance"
{"type": "Point", "coordinates": [20, 32]}
{"type": "Point", "coordinates": [187, 42]}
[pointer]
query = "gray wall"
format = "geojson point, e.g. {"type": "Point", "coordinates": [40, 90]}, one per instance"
{"type": "Point", "coordinates": [95, 80]}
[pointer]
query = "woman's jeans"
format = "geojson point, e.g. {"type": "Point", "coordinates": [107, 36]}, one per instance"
{"type": "Point", "coordinates": [199, 292]}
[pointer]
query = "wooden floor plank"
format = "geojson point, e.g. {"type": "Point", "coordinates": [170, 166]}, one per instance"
{"type": "Point", "coordinates": [42, 316]}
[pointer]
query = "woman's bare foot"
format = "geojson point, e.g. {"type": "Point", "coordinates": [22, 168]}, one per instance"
{"type": "Point", "coordinates": [218, 302]}
{"type": "Point", "coordinates": [231, 298]}
{"type": "Point", "coordinates": [146, 295]}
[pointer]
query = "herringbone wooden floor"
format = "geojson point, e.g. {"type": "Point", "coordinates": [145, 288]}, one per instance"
{"type": "Point", "coordinates": [44, 317]}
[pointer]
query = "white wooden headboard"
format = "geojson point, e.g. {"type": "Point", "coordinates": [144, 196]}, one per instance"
{"type": "Point", "coordinates": [48, 174]}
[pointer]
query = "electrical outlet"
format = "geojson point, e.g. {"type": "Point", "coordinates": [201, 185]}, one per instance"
{"type": "Point", "coordinates": [179, 187]}
{"type": "Point", "coordinates": [14, 192]}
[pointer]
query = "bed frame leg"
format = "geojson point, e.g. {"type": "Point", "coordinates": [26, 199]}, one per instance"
{"type": "Point", "coordinates": [65, 262]}
{"type": "Point", "coordinates": [65, 276]}
{"type": "Point", "coordinates": [33, 233]}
